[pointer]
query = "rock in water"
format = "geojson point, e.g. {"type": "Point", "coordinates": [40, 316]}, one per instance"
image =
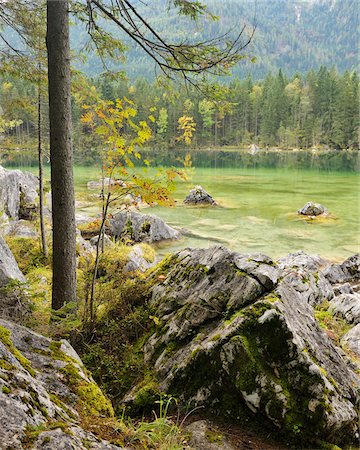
{"type": "Point", "coordinates": [18, 192]}
{"type": "Point", "coordinates": [140, 227]}
{"type": "Point", "coordinates": [312, 209]}
{"type": "Point", "coordinates": [237, 333]}
{"type": "Point", "coordinates": [44, 391]}
{"type": "Point", "coordinates": [198, 196]}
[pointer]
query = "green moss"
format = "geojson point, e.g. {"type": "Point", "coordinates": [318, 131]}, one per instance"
{"type": "Point", "coordinates": [147, 395]}
{"type": "Point", "coordinates": [27, 252]}
{"type": "Point", "coordinates": [241, 273]}
{"type": "Point", "coordinates": [33, 432]}
{"type": "Point", "coordinates": [56, 400]}
{"type": "Point", "coordinates": [217, 337]}
{"type": "Point", "coordinates": [272, 297]}
{"type": "Point", "coordinates": [335, 327]}
{"type": "Point", "coordinates": [5, 365]}
{"type": "Point", "coordinates": [213, 437]}
{"type": "Point", "coordinates": [195, 352]}
{"type": "Point", "coordinates": [6, 390]}
{"type": "Point", "coordinates": [6, 340]}
{"type": "Point", "coordinates": [92, 401]}
{"type": "Point", "coordinates": [148, 252]}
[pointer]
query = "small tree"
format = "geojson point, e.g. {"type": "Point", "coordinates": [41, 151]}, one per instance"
{"type": "Point", "coordinates": [109, 120]}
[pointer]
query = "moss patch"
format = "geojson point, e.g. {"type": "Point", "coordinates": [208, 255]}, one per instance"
{"type": "Point", "coordinates": [5, 338]}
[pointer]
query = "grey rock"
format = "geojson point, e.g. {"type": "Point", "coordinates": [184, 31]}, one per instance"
{"type": "Point", "coordinates": [9, 270]}
{"type": "Point", "coordinates": [206, 437]}
{"type": "Point", "coordinates": [34, 392]}
{"type": "Point", "coordinates": [84, 245]}
{"type": "Point", "coordinates": [137, 261]}
{"type": "Point", "coordinates": [303, 260]}
{"type": "Point", "coordinates": [347, 306]}
{"type": "Point", "coordinates": [312, 209]}
{"type": "Point", "coordinates": [92, 185]}
{"type": "Point", "coordinates": [352, 339]}
{"type": "Point", "coordinates": [304, 272]}
{"type": "Point", "coordinates": [349, 270]}
{"type": "Point", "coordinates": [140, 227]}
{"type": "Point", "coordinates": [237, 332]}
{"type": "Point", "coordinates": [107, 241]}
{"type": "Point", "coordinates": [23, 228]}
{"type": "Point", "coordinates": [345, 288]}
{"type": "Point", "coordinates": [198, 196]}
{"type": "Point", "coordinates": [82, 219]}
{"type": "Point", "coordinates": [18, 193]}
{"type": "Point", "coordinates": [74, 438]}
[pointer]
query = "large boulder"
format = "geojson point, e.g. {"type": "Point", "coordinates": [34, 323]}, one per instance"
{"type": "Point", "coordinates": [347, 271]}
{"type": "Point", "coordinates": [18, 193]}
{"type": "Point", "coordinates": [198, 196]}
{"type": "Point", "coordinates": [352, 340]}
{"type": "Point", "coordinates": [24, 229]}
{"type": "Point", "coordinates": [9, 270]}
{"type": "Point", "coordinates": [237, 334]}
{"type": "Point", "coordinates": [139, 227]}
{"type": "Point", "coordinates": [13, 302]}
{"type": "Point", "coordinates": [312, 209]}
{"type": "Point", "coordinates": [347, 306]}
{"type": "Point", "coordinates": [45, 392]}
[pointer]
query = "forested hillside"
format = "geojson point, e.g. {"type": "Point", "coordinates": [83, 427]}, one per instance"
{"type": "Point", "coordinates": [295, 35]}
{"type": "Point", "coordinates": [318, 109]}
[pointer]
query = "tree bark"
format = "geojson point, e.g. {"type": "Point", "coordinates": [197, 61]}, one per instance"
{"type": "Point", "coordinates": [62, 181]}
{"type": "Point", "coordinates": [41, 177]}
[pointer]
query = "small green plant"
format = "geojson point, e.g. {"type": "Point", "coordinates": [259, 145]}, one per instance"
{"type": "Point", "coordinates": [6, 389]}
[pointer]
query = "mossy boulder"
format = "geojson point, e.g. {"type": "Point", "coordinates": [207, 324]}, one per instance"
{"type": "Point", "coordinates": [134, 226]}
{"type": "Point", "coordinates": [237, 334]}
{"type": "Point", "coordinates": [46, 393]}
{"type": "Point", "coordinates": [18, 193]}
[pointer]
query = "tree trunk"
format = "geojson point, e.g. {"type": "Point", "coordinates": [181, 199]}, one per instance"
{"type": "Point", "coordinates": [41, 178]}
{"type": "Point", "coordinates": [62, 181]}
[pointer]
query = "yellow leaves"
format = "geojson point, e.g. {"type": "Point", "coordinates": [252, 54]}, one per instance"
{"type": "Point", "coordinates": [87, 118]}
{"type": "Point", "coordinates": [6, 86]}
{"type": "Point", "coordinates": [187, 126]}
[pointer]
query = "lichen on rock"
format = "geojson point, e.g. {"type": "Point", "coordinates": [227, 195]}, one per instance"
{"type": "Point", "coordinates": [46, 393]}
{"type": "Point", "coordinates": [237, 333]}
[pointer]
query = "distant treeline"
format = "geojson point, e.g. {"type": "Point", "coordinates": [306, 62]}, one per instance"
{"type": "Point", "coordinates": [319, 109]}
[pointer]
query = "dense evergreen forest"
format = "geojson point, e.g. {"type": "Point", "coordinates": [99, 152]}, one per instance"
{"type": "Point", "coordinates": [319, 109]}
{"type": "Point", "coordinates": [296, 35]}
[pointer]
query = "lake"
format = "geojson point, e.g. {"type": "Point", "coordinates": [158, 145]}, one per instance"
{"type": "Point", "coordinates": [257, 210]}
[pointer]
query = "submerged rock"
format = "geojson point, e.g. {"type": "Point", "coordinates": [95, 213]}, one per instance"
{"type": "Point", "coordinates": [237, 334]}
{"type": "Point", "coordinates": [198, 196]}
{"type": "Point", "coordinates": [139, 227]}
{"type": "Point", "coordinates": [18, 193]}
{"type": "Point", "coordinates": [44, 391]}
{"type": "Point", "coordinates": [312, 209]}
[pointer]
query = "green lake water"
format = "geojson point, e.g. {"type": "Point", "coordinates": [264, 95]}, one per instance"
{"type": "Point", "coordinates": [258, 210]}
